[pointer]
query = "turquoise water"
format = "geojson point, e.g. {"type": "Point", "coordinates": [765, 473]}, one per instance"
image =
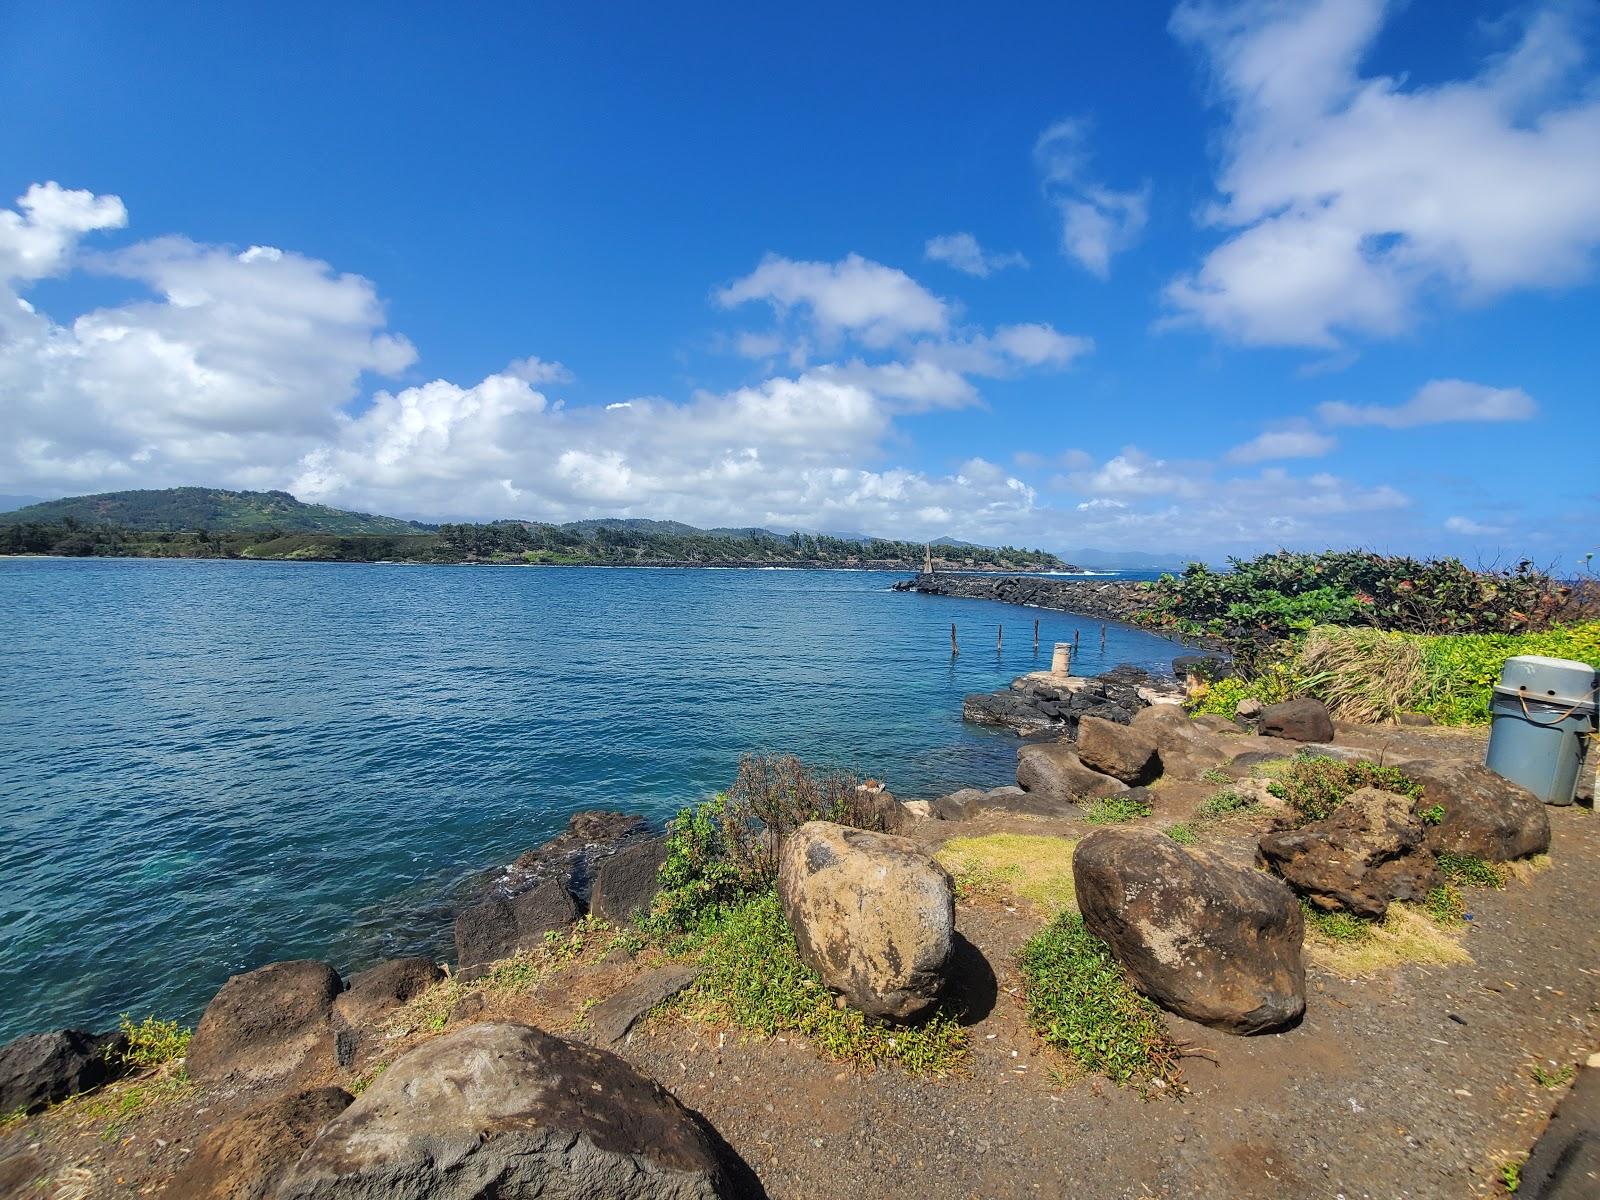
{"type": "Point", "coordinates": [211, 765]}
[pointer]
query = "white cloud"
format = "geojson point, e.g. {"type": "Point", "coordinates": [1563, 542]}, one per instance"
{"type": "Point", "coordinates": [962, 251]}
{"type": "Point", "coordinates": [1471, 528]}
{"type": "Point", "coordinates": [876, 304]}
{"type": "Point", "coordinates": [1132, 473]}
{"type": "Point", "coordinates": [1097, 222]}
{"type": "Point", "coordinates": [1282, 443]}
{"type": "Point", "coordinates": [1350, 198]}
{"type": "Point", "coordinates": [1435, 403]}
{"type": "Point", "coordinates": [1101, 502]}
{"type": "Point", "coordinates": [39, 236]}
{"type": "Point", "coordinates": [537, 371]}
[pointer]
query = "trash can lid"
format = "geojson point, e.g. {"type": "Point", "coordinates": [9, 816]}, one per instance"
{"type": "Point", "coordinates": [1550, 678]}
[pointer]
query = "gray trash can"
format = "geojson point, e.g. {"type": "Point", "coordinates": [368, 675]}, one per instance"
{"type": "Point", "coordinates": [1542, 714]}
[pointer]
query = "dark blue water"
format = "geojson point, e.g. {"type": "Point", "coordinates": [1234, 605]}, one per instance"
{"type": "Point", "coordinates": [207, 766]}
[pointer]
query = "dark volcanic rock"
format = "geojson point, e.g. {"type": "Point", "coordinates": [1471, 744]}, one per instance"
{"type": "Point", "coordinates": [1302, 720]}
{"type": "Point", "coordinates": [574, 855]}
{"type": "Point", "coordinates": [1210, 941]}
{"type": "Point", "coordinates": [1484, 812]}
{"type": "Point", "coordinates": [1022, 711]}
{"type": "Point", "coordinates": [373, 995]}
{"type": "Point", "coordinates": [507, 1110]}
{"type": "Point", "coordinates": [1054, 770]}
{"type": "Point", "coordinates": [1565, 1161]}
{"type": "Point", "coordinates": [1368, 853]}
{"type": "Point", "coordinates": [241, 1159]}
{"type": "Point", "coordinates": [38, 1069]}
{"type": "Point", "coordinates": [1117, 750]}
{"type": "Point", "coordinates": [1185, 749]}
{"type": "Point", "coordinates": [1116, 600]}
{"type": "Point", "coordinates": [973, 802]}
{"type": "Point", "coordinates": [626, 883]}
{"type": "Point", "coordinates": [613, 1017]}
{"type": "Point", "coordinates": [499, 928]}
{"type": "Point", "coordinates": [873, 914]}
{"type": "Point", "coordinates": [263, 1023]}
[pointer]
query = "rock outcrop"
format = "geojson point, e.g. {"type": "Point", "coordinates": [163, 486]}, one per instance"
{"type": "Point", "coordinates": [375, 994]}
{"type": "Point", "coordinates": [1042, 702]}
{"type": "Point", "coordinates": [1120, 751]}
{"type": "Point", "coordinates": [508, 1110]}
{"type": "Point", "coordinates": [1185, 749]}
{"type": "Point", "coordinates": [1484, 812]}
{"type": "Point", "coordinates": [1300, 720]}
{"type": "Point", "coordinates": [1054, 771]}
{"type": "Point", "coordinates": [499, 928]}
{"type": "Point", "coordinates": [1106, 599]}
{"type": "Point", "coordinates": [39, 1069]}
{"type": "Point", "coordinates": [240, 1159]}
{"type": "Point", "coordinates": [626, 883]}
{"type": "Point", "coordinates": [974, 802]}
{"type": "Point", "coordinates": [262, 1024]}
{"type": "Point", "coordinates": [873, 914]}
{"type": "Point", "coordinates": [1208, 940]}
{"type": "Point", "coordinates": [1368, 853]}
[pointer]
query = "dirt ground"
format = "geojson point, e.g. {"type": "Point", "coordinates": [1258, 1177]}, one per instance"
{"type": "Point", "coordinates": [1417, 1082]}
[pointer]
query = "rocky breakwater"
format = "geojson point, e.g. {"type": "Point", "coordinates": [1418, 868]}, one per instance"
{"type": "Point", "coordinates": [1105, 599]}
{"type": "Point", "coordinates": [1043, 702]}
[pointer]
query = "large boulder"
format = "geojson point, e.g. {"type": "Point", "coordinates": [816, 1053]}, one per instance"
{"type": "Point", "coordinates": [1299, 720]}
{"type": "Point", "coordinates": [1117, 750]}
{"type": "Point", "coordinates": [975, 802]}
{"type": "Point", "coordinates": [1010, 709]}
{"type": "Point", "coordinates": [263, 1023]}
{"type": "Point", "coordinates": [500, 927]}
{"type": "Point", "coordinates": [508, 1110]}
{"type": "Point", "coordinates": [375, 994]}
{"type": "Point", "coordinates": [574, 855]}
{"type": "Point", "coordinates": [873, 914]}
{"type": "Point", "coordinates": [38, 1069]}
{"type": "Point", "coordinates": [241, 1158]}
{"type": "Point", "coordinates": [1208, 940]}
{"type": "Point", "coordinates": [1484, 812]}
{"type": "Point", "coordinates": [626, 883]}
{"type": "Point", "coordinates": [1185, 749]}
{"type": "Point", "coordinates": [1368, 853]}
{"type": "Point", "coordinates": [1054, 770]}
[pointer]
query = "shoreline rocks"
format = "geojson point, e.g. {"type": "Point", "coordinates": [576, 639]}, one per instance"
{"type": "Point", "coordinates": [1368, 853]}
{"type": "Point", "coordinates": [40, 1069]}
{"type": "Point", "coordinates": [264, 1023]}
{"type": "Point", "coordinates": [1105, 599]}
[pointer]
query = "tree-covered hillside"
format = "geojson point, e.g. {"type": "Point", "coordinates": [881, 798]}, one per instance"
{"type": "Point", "coordinates": [187, 508]}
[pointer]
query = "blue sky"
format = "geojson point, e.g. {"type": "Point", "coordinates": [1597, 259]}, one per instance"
{"type": "Point", "coordinates": [1202, 279]}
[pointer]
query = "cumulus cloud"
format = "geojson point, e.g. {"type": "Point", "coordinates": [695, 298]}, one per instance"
{"type": "Point", "coordinates": [1349, 198]}
{"type": "Point", "coordinates": [1282, 443]}
{"type": "Point", "coordinates": [1096, 221]}
{"type": "Point", "coordinates": [1435, 403]}
{"type": "Point", "coordinates": [962, 251]}
{"type": "Point", "coordinates": [1471, 528]}
{"type": "Point", "coordinates": [39, 236]}
{"type": "Point", "coordinates": [876, 304]}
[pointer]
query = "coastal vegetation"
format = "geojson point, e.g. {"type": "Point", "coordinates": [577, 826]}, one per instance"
{"type": "Point", "coordinates": [190, 508]}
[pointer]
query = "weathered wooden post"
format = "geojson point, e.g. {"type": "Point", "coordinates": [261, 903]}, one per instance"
{"type": "Point", "coordinates": [1036, 635]}
{"type": "Point", "coordinates": [954, 648]}
{"type": "Point", "coordinates": [999, 637]}
{"type": "Point", "coordinates": [1061, 660]}
{"type": "Point", "coordinates": [1102, 639]}
{"type": "Point", "coordinates": [927, 558]}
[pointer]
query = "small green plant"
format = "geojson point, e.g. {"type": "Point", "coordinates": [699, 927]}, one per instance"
{"type": "Point", "coordinates": [123, 1102]}
{"type": "Point", "coordinates": [153, 1043]}
{"type": "Point", "coordinates": [1468, 870]}
{"type": "Point", "coordinates": [1215, 775]}
{"type": "Point", "coordinates": [1225, 804]}
{"type": "Point", "coordinates": [1337, 925]}
{"type": "Point", "coordinates": [1115, 810]}
{"type": "Point", "coordinates": [1432, 815]}
{"type": "Point", "coordinates": [1182, 834]}
{"type": "Point", "coordinates": [1511, 1175]}
{"type": "Point", "coordinates": [365, 1080]}
{"type": "Point", "coordinates": [1080, 1002]}
{"type": "Point", "coordinates": [1559, 1078]}
{"type": "Point", "coordinates": [1314, 786]}
{"type": "Point", "coordinates": [1445, 905]}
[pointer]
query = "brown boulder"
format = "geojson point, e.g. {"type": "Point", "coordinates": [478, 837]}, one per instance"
{"type": "Point", "coordinates": [1299, 720]}
{"type": "Point", "coordinates": [240, 1159]}
{"type": "Point", "coordinates": [1117, 750]}
{"type": "Point", "coordinates": [508, 1110]}
{"type": "Point", "coordinates": [627, 882]}
{"type": "Point", "coordinates": [1208, 940]}
{"type": "Point", "coordinates": [373, 995]}
{"type": "Point", "coordinates": [500, 927]}
{"type": "Point", "coordinates": [39, 1069]}
{"type": "Point", "coordinates": [1185, 749]}
{"type": "Point", "coordinates": [1484, 812]}
{"type": "Point", "coordinates": [873, 914]}
{"type": "Point", "coordinates": [1367, 853]}
{"type": "Point", "coordinates": [1054, 770]}
{"type": "Point", "coordinates": [263, 1023]}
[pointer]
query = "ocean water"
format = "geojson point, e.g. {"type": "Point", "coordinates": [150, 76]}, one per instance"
{"type": "Point", "coordinates": [211, 765]}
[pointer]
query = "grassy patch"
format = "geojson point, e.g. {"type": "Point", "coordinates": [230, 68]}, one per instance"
{"type": "Point", "coordinates": [1010, 866]}
{"type": "Point", "coordinates": [1445, 906]}
{"type": "Point", "coordinates": [753, 980]}
{"type": "Point", "coordinates": [1182, 834]}
{"type": "Point", "coordinates": [1080, 1002]}
{"type": "Point", "coordinates": [1215, 775]}
{"type": "Point", "coordinates": [1558, 1078]}
{"type": "Point", "coordinates": [1511, 1175]}
{"type": "Point", "coordinates": [1226, 804]}
{"type": "Point", "coordinates": [1314, 786]}
{"type": "Point", "coordinates": [119, 1103]}
{"type": "Point", "coordinates": [1469, 870]}
{"type": "Point", "coordinates": [1405, 935]}
{"type": "Point", "coordinates": [154, 1043]}
{"type": "Point", "coordinates": [1336, 926]}
{"type": "Point", "coordinates": [1115, 810]}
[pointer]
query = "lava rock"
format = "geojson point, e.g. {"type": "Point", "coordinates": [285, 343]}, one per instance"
{"type": "Point", "coordinates": [39, 1069]}
{"type": "Point", "coordinates": [574, 855]}
{"type": "Point", "coordinates": [499, 928]}
{"type": "Point", "coordinates": [1054, 770]}
{"type": "Point", "coordinates": [1120, 751]}
{"type": "Point", "coordinates": [374, 994]}
{"type": "Point", "coordinates": [1024, 713]}
{"type": "Point", "coordinates": [1185, 749]}
{"type": "Point", "coordinates": [1301, 720]}
{"type": "Point", "coordinates": [507, 1110]}
{"type": "Point", "coordinates": [1484, 812]}
{"type": "Point", "coordinates": [626, 883]}
{"type": "Point", "coordinates": [263, 1023]}
{"type": "Point", "coordinates": [1366, 854]}
{"type": "Point", "coordinates": [873, 914]}
{"type": "Point", "coordinates": [1208, 940]}
{"type": "Point", "coordinates": [613, 1017]}
{"type": "Point", "coordinates": [240, 1159]}
{"type": "Point", "coordinates": [974, 802]}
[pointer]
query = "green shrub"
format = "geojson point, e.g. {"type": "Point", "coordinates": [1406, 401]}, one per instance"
{"type": "Point", "coordinates": [1114, 810]}
{"type": "Point", "coordinates": [1225, 804]}
{"type": "Point", "coordinates": [153, 1043]}
{"type": "Point", "coordinates": [1314, 786]}
{"type": "Point", "coordinates": [1182, 834]}
{"type": "Point", "coordinates": [753, 979]}
{"type": "Point", "coordinates": [1080, 1002]}
{"type": "Point", "coordinates": [1270, 683]}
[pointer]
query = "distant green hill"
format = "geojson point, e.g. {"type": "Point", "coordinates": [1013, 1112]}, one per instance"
{"type": "Point", "coordinates": [172, 509]}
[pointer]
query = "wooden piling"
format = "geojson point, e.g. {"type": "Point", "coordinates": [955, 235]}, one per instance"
{"type": "Point", "coordinates": [999, 637]}
{"type": "Point", "coordinates": [1036, 635]}
{"type": "Point", "coordinates": [1102, 639]}
{"type": "Point", "coordinates": [954, 648]}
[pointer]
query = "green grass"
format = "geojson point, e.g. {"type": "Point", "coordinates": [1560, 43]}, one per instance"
{"type": "Point", "coordinates": [1445, 905]}
{"type": "Point", "coordinates": [1471, 871]}
{"type": "Point", "coordinates": [153, 1043]}
{"type": "Point", "coordinates": [753, 979]}
{"type": "Point", "coordinates": [1225, 804]}
{"type": "Point", "coordinates": [1115, 810]}
{"type": "Point", "coordinates": [1559, 1078]}
{"type": "Point", "coordinates": [1215, 775]}
{"type": "Point", "coordinates": [1338, 925]}
{"type": "Point", "coordinates": [1511, 1175]}
{"type": "Point", "coordinates": [1010, 866]}
{"type": "Point", "coordinates": [1314, 786]}
{"type": "Point", "coordinates": [1183, 834]}
{"type": "Point", "coordinates": [1080, 1002]}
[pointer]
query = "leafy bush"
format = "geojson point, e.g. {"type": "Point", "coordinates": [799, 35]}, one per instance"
{"type": "Point", "coordinates": [1445, 905]}
{"type": "Point", "coordinates": [1114, 810]}
{"type": "Point", "coordinates": [1314, 786]}
{"type": "Point", "coordinates": [154, 1043]}
{"type": "Point", "coordinates": [753, 979]}
{"type": "Point", "coordinates": [1225, 804]}
{"type": "Point", "coordinates": [1268, 682]}
{"type": "Point", "coordinates": [1080, 1001]}
{"type": "Point", "coordinates": [1183, 834]}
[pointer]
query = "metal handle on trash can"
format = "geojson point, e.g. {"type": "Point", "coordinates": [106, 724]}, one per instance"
{"type": "Point", "coordinates": [1522, 696]}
